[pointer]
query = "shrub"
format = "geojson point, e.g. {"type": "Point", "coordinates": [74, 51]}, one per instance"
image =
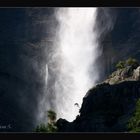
{"type": "Point", "coordinates": [134, 122]}
{"type": "Point", "coordinates": [120, 65]}
{"type": "Point", "coordinates": [51, 116]}
{"type": "Point", "coordinates": [129, 62]}
{"type": "Point", "coordinates": [132, 62]}
{"type": "Point", "coordinates": [50, 126]}
{"type": "Point", "coordinates": [41, 128]}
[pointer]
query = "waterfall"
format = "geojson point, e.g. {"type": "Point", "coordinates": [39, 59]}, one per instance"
{"type": "Point", "coordinates": [75, 53]}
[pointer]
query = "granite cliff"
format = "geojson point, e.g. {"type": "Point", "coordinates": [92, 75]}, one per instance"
{"type": "Point", "coordinates": [108, 106]}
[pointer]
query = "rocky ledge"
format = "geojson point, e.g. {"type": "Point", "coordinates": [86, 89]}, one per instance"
{"type": "Point", "coordinates": [108, 106]}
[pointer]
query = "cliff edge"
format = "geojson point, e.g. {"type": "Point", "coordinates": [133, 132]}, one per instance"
{"type": "Point", "coordinates": [108, 106]}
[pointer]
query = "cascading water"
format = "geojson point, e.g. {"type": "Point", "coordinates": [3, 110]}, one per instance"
{"type": "Point", "coordinates": [76, 46]}
{"type": "Point", "coordinates": [75, 50]}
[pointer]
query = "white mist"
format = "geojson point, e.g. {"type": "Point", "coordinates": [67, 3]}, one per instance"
{"type": "Point", "coordinates": [76, 50]}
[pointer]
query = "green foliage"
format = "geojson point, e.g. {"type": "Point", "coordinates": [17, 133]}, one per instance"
{"type": "Point", "coordinates": [120, 65]}
{"type": "Point", "coordinates": [41, 128]}
{"type": "Point", "coordinates": [46, 128]}
{"type": "Point", "coordinates": [132, 62]}
{"type": "Point", "coordinates": [129, 62]}
{"type": "Point", "coordinates": [51, 116]}
{"type": "Point", "coordinates": [134, 122]}
{"type": "Point", "coordinates": [50, 126]}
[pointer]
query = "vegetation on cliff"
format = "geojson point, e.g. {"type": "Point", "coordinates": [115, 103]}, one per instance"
{"type": "Point", "coordinates": [128, 70]}
{"type": "Point", "coordinates": [129, 62]}
{"type": "Point", "coordinates": [134, 122]}
{"type": "Point", "coordinates": [111, 106]}
{"type": "Point", "coordinates": [50, 126]}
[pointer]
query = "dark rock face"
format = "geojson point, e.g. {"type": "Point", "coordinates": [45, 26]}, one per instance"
{"type": "Point", "coordinates": [109, 105]}
{"type": "Point", "coordinates": [105, 108]}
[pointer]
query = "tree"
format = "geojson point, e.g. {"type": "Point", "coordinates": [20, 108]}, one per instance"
{"type": "Point", "coordinates": [41, 128]}
{"type": "Point", "coordinates": [50, 126]}
{"type": "Point", "coordinates": [129, 62]}
{"type": "Point", "coordinates": [132, 62]}
{"type": "Point", "coordinates": [134, 122]}
{"type": "Point", "coordinates": [120, 65]}
{"type": "Point", "coordinates": [52, 121]}
{"type": "Point", "coordinates": [51, 116]}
